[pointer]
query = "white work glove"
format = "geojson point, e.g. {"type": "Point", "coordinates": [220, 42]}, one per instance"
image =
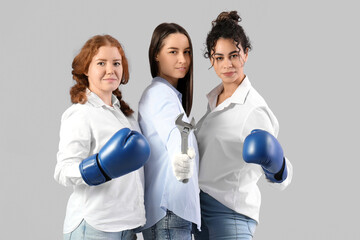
{"type": "Point", "coordinates": [183, 164]}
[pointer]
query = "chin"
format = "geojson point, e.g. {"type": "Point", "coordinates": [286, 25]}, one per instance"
{"type": "Point", "coordinates": [182, 76]}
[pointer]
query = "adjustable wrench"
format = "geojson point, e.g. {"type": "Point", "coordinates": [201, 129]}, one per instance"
{"type": "Point", "coordinates": [185, 129]}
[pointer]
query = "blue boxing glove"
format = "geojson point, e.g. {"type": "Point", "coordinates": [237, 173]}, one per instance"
{"type": "Point", "coordinates": [260, 147]}
{"type": "Point", "coordinates": [126, 151]}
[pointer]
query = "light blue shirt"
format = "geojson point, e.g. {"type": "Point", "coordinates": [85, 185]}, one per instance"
{"type": "Point", "coordinates": [159, 106]}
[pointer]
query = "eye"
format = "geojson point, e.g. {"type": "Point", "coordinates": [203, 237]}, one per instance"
{"type": "Point", "coordinates": [101, 63]}
{"type": "Point", "coordinates": [234, 56]}
{"type": "Point", "coordinates": [172, 52]}
{"type": "Point", "coordinates": [116, 64]}
{"type": "Point", "coordinates": [219, 58]}
{"type": "Point", "coordinates": [188, 52]}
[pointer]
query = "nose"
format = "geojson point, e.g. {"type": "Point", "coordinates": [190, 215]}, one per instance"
{"type": "Point", "coordinates": [181, 58]}
{"type": "Point", "coordinates": [109, 69]}
{"type": "Point", "coordinates": [228, 63]}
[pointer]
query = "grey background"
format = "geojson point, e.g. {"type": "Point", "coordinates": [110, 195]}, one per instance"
{"type": "Point", "coordinates": [304, 63]}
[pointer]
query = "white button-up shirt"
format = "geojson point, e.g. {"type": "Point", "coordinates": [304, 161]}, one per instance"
{"type": "Point", "coordinates": [159, 106]}
{"type": "Point", "coordinates": [221, 133]}
{"type": "Point", "coordinates": [113, 206]}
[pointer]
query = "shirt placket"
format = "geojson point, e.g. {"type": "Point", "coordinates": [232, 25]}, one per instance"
{"type": "Point", "coordinates": [120, 117]}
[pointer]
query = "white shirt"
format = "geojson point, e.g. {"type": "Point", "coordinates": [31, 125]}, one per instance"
{"type": "Point", "coordinates": [221, 133]}
{"type": "Point", "coordinates": [113, 206]}
{"type": "Point", "coordinates": [159, 106]}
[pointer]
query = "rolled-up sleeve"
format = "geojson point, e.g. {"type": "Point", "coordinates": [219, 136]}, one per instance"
{"type": "Point", "coordinates": [74, 146]}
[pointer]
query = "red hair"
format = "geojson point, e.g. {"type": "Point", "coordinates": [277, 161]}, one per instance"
{"type": "Point", "coordinates": [80, 66]}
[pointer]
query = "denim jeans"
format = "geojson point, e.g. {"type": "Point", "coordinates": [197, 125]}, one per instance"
{"type": "Point", "coordinates": [86, 232]}
{"type": "Point", "coordinates": [170, 227]}
{"type": "Point", "coordinates": [220, 222]}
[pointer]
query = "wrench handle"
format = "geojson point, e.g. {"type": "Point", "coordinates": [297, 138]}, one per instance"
{"type": "Point", "coordinates": [184, 147]}
{"type": "Point", "coordinates": [184, 143]}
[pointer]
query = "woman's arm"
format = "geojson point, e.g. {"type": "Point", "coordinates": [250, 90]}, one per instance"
{"type": "Point", "coordinates": [74, 146]}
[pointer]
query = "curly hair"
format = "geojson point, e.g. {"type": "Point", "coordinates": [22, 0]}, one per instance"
{"type": "Point", "coordinates": [80, 66]}
{"type": "Point", "coordinates": [226, 26]}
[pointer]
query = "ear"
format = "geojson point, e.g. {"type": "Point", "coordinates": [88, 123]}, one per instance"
{"type": "Point", "coordinates": [246, 54]}
{"type": "Point", "coordinates": [212, 60]}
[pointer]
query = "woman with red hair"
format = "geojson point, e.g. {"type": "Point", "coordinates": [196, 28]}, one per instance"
{"type": "Point", "coordinates": [112, 208]}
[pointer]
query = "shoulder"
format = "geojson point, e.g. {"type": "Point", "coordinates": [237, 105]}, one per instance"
{"type": "Point", "coordinates": [156, 94]}
{"type": "Point", "coordinates": [76, 112]}
{"type": "Point", "coordinates": [261, 117]}
{"type": "Point", "coordinates": [157, 89]}
{"type": "Point", "coordinates": [257, 106]}
{"type": "Point", "coordinates": [255, 99]}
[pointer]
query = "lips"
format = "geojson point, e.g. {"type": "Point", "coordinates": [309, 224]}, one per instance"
{"type": "Point", "coordinates": [110, 79]}
{"type": "Point", "coordinates": [181, 68]}
{"type": "Point", "coordinates": [229, 74]}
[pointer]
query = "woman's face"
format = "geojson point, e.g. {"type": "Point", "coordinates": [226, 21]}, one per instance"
{"type": "Point", "coordinates": [174, 58]}
{"type": "Point", "coordinates": [228, 61]}
{"type": "Point", "coordinates": [105, 71]}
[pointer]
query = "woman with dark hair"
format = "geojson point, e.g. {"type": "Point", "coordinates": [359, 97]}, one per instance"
{"type": "Point", "coordinates": [235, 137]}
{"type": "Point", "coordinates": [171, 203]}
{"type": "Point", "coordinates": [101, 162]}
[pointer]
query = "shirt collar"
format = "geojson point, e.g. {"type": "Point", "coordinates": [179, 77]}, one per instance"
{"type": "Point", "coordinates": [238, 97]}
{"type": "Point", "coordinates": [164, 81]}
{"type": "Point", "coordinates": [96, 101]}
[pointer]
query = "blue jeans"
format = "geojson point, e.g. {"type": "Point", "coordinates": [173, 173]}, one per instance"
{"type": "Point", "coordinates": [170, 227]}
{"type": "Point", "coordinates": [220, 222]}
{"type": "Point", "coordinates": [86, 232]}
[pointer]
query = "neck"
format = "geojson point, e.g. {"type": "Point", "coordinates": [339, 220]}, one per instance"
{"type": "Point", "coordinates": [107, 101]}
{"type": "Point", "coordinates": [230, 88]}
{"type": "Point", "coordinates": [172, 81]}
{"type": "Point", "coordinates": [105, 97]}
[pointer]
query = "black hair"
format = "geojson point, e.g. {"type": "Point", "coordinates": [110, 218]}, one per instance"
{"type": "Point", "coordinates": [226, 25]}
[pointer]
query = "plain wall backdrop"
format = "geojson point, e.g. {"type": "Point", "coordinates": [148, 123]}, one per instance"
{"type": "Point", "coordinates": [304, 62]}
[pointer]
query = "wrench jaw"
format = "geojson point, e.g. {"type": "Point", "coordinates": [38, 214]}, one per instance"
{"type": "Point", "coordinates": [179, 122]}
{"type": "Point", "coordinates": [193, 123]}
{"type": "Point", "coordinates": [181, 125]}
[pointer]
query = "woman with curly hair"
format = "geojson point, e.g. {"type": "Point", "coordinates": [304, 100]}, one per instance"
{"type": "Point", "coordinates": [235, 138]}
{"type": "Point", "coordinates": [101, 162]}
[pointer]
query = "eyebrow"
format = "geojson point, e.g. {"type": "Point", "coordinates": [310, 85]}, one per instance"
{"type": "Point", "coordinates": [100, 59]}
{"type": "Point", "coordinates": [228, 54]}
{"type": "Point", "coordinates": [177, 48]}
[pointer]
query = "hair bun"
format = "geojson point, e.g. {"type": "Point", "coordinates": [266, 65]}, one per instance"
{"type": "Point", "coordinates": [227, 16]}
